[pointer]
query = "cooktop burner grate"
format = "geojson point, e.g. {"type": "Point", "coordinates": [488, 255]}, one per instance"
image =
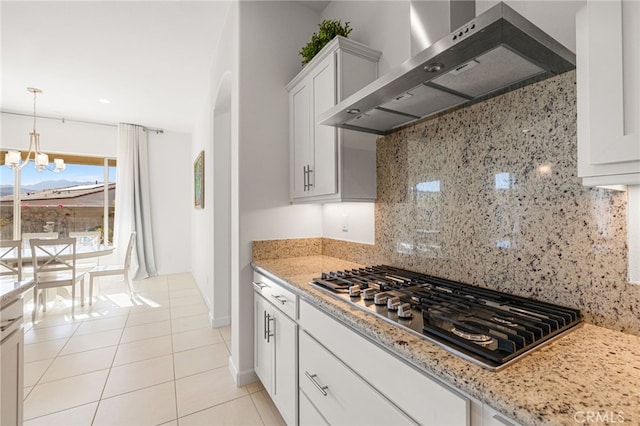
{"type": "Point", "coordinates": [487, 327]}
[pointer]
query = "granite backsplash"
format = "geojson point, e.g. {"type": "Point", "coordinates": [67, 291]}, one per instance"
{"type": "Point", "coordinates": [488, 195]}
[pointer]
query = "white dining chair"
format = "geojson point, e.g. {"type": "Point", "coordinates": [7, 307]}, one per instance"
{"type": "Point", "coordinates": [108, 270]}
{"type": "Point", "coordinates": [86, 240]}
{"type": "Point", "coordinates": [27, 236]}
{"type": "Point", "coordinates": [54, 265]}
{"type": "Point", "coordinates": [11, 261]}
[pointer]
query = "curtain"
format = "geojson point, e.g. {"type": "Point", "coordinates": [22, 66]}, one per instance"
{"type": "Point", "coordinates": [133, 206]}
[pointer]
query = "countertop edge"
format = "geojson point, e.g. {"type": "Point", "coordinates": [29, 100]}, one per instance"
{"type": "Point", "coordinates": [9, 294]}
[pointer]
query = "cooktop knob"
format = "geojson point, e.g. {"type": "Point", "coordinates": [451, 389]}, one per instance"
{"type": "Point", "coordinates": [380, 298]}
{"type": "Point", "coordinates": [368, 293]}
{"type": "Point", "coordinates": [393, 303]}
{"type": "Point", "coordinates": [354, 291]}
{"type": "Point", "coordinates": [404, 311]}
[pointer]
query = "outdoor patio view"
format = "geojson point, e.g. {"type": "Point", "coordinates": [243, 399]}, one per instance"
{"type": "Point", "coordinates": [70, 201]}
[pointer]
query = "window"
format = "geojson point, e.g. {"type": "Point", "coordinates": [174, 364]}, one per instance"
{"type": "Point", "coordinates": [82, 198]}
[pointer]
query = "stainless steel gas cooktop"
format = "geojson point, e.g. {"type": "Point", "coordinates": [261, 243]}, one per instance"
{"type": "Point", "coordinates": [489, 328]}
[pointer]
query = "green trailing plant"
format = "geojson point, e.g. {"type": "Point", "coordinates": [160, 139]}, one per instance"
{"type": "Point", "coordinates": [328, 30]}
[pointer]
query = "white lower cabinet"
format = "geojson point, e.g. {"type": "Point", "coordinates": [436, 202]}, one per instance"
{"type": "Point", "coordinates": [12, 364]}
{"type": "Point", "coordinates": [395, 390]}
{"type": "Point", "coordinates": [276, 345]}
{"type": "Point", "coordinates": [339, 395]}
{"type": "Point", "coordinates": [318, 371]}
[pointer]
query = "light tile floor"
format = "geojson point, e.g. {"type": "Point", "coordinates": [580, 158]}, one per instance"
{"type": "Point", "coordinates": [151, 361]}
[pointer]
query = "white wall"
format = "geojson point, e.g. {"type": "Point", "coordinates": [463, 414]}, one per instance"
{"type": "Point", "coordinates": [271, 34]}
{"type": "Point", "coordinates": [223, 79]}
{"type": "Point", "coordinates": [358, 218]}
{"type": "Point", "coordinates": [384, 26]}
{"type": "Point", "coordinates": [381, 25]}
{"type": "Point", "coordinates": [168, 151]}
{"type": "Point", "coordinates": [557, 18]}
{"type": "Point", "coordinates": [63, 138]}
{"type": "Point", "coordinates": [170, 172]}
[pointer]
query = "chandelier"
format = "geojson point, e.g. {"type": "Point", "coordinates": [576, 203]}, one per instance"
{"type": "Point", "coordinates": [41, 160]}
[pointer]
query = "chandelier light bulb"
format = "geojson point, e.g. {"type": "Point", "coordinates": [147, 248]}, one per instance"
{"type": "Point", "coordinates": [59, 165]}
{"type": "Point", "coordinates": [41, 160]}
{"type": "Point", "coordinates": [12, 159]}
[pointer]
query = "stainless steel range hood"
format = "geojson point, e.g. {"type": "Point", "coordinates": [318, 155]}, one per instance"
{"type": "Point", "coordinates": [496, 52]}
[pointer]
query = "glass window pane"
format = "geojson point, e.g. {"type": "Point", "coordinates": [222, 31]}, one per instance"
{"type": "Point", "coordinates": [70, 201]}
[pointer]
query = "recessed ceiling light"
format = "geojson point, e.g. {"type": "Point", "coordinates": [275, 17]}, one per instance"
{"type": "Point", "coordinates": [104, 101]}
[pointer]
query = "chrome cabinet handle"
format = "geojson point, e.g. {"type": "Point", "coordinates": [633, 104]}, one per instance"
{"type": "Point", "coordinates": [312, 377]}
{"type": "Point", "coordinates": [268, 320]}
{"type": "Point", "coordinates": [260, 285]}
{"type": "Point", "coordinates": [305, 178]}
{"type": "Point", "coordinates": [279, 298]}
{"type": "Point", "coordinates": [264, 326]}
{"type": "Point", "coordinates": [306, 171]}
{"type": "Point", "coordinates": [309, 184]}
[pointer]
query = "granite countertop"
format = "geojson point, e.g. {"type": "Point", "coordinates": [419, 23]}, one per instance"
{"type": "Point", "coordinates": [591, 371]}
{"type": "Point", "coordinates": [11, 290]}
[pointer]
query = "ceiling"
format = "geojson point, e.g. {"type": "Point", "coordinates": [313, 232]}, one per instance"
{"type": "Point", "coordinates": [150, 59]}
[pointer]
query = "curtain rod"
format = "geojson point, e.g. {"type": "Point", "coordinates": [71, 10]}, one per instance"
{"type": "Point", "coordinates": [146, 129]}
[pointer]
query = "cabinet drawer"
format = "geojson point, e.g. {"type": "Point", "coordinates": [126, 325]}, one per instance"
{"type": "Point", "coordinates": [420, 396]}
{"type": "Point", "coordinates": [309, 415]}
{"type": "Point", "coordinates": [281, 298]}
{"type": "Point", "coordinates": [339, 394]}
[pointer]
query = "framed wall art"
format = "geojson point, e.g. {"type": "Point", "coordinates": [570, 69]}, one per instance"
{"type": "Point", "coordinates": [198, 181]}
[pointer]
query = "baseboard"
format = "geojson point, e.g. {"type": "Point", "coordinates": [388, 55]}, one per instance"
{"type": "Point", "coordinates": [219, 322]}
{"type": "Point", "coordinates": [242, 378]}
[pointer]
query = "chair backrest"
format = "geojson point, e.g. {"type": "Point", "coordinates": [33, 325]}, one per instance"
{"type": "Point", "coordinates": [27, 236]}
{"type": "Point", "coordinates": [127, 256]}
{"type": "Point", "coordinates": [11, 258]}
{"type": "Point", "coordinates": [51, 256]}
{"type": "Point", "coordinates": [87, 238]}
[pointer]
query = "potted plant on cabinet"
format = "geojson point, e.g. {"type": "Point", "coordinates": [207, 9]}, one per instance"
{"type": "Point", "coordinates": [328, 29]}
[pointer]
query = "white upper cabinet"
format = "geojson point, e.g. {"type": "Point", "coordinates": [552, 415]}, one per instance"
{"type": "Point", "coordinates": [608, 77]}
{"type": "Point", "coordinates": [327, 164]}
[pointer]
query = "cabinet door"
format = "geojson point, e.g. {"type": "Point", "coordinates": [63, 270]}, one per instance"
{"type": "Point", "coordinates": [285, 386]}
{"type": "Point", "coordinates": [11, 378]}
{"type": "Point", "coordinates": [301, 135]}
{"type": "Point", "coordinates": [324, 176]}
{"type": "Point", "coordinates": [341, 396]}
{"type": "Point", "coordinates": [608, 76]}
{"type": "Point", "coordinates": [263, 350]}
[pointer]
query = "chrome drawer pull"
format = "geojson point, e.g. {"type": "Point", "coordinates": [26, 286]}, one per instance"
{"type": "Point", "coordinates": [8, 323]}
{"type": "Point", "coordinates": [260, 285]}
{"type": "Point", "coordinates": [312, 377]}
{"type": "Point", "coordinates": [279, 298]}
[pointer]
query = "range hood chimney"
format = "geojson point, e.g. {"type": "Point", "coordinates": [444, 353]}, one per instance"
{"type": "Point", "coordinates": [491, 54]}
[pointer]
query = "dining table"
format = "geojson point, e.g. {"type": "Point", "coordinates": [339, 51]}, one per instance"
{"type": "Point", "coordinates": [10, 289]}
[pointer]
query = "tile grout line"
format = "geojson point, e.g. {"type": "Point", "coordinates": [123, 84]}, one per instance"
{"type": "Point", "coordinates": [173, 357]}
{"type": "Point", "coordinates": [256, 408]}
{"type": "Point", "coordinates": [95, 413]}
